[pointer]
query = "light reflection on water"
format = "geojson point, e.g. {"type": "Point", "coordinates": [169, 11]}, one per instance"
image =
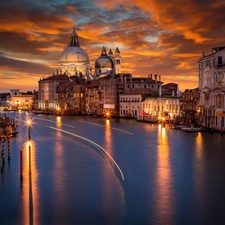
{"type": "Point", "coordinates": [112, 195]}
{"type": "Point", "coordinates": [163, 210]}
{"type": "Point", "coordinates": [199, 169]}
{"type": "Point", "coordinates": [29, 189]}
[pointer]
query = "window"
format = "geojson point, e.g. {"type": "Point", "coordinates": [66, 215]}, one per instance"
{"type": "Point", "coordinates": [219, 101]}
{"type": "Point", "coordinates": [220, 61]}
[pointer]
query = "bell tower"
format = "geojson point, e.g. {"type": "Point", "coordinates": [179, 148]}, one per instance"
{"type": "Point", "coordinates": [117, 61]}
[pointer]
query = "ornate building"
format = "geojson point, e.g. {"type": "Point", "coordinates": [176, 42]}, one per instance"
{"type": "Point", "coordinates": [212, 88]}
{"type": "Point", "coordinates": [190, 106]}
{"type": "Point", "coordinates": [73, 89]}
{"type": "Point", "coordinates": [48, 91]}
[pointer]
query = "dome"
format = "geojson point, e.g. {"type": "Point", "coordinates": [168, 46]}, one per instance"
{"type": "Point", "coordinates": [74, 60]}
{"type": "Point", "coordinates": [104, 61]}
{"type": "Point", "coordinates": [73, 54]}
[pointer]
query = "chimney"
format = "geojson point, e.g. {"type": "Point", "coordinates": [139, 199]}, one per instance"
{"type": "Point", "coordinates": [155, 77]}
{"type": "Point", "coordinates": [151, 75]}
{"type": "Point", "coordinates": [203, 54]}
{"type": "Point", "coordinates": [159, 78]}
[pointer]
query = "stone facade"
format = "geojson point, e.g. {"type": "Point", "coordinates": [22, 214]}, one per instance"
{"type": "Point", "coordinates": [211, 87]}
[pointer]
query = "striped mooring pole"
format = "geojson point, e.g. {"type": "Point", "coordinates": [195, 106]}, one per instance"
{"type": "Point", "coordinates": [3, 150]}
{"type": "Point", "coordinates": [8, 144]}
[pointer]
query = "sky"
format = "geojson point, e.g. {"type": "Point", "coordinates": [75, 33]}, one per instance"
{"type": "Point", "coordinates": [154, 36]}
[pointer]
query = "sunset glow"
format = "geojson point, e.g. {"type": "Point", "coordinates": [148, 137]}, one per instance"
{"type": "Point", "coordinates": [166, 40]}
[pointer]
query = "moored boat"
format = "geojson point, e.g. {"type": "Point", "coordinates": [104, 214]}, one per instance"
{"type": "Point", "coordinates": [193, 129]}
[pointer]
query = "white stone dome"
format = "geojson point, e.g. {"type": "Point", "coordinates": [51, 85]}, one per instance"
{"type": "Point", "coordinates": [74, 60]}
{"type": "Point", "coordinates": [73, 54]}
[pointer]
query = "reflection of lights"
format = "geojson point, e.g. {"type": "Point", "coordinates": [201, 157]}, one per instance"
{"type": "Point", "coordinates": [163, 118]}
{"type": "Point", "coordinates": [163, 134]}
{"type": "Point", "coordinates": [29, 188]}
{"type": "Point", "coordinates": [199, 149]}
{"type": "Point", "coordinates": [107, 123]}
{"type": "Point", "coordinates": [58, 119]}
{"type": "Point", "coordinates": [163, 194]}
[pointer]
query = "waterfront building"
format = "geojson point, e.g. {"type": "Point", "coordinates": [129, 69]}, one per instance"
{"type": "Point", "coordinates": [110, 87]}
{"type": "Point", "coordinates": [92, 98]}
{"type": "Point", "coordinates": [47, 91]}
{"type": "Point", "coordinates": [131, 103]}
{"type": "Point", "coordinates": [72, 97]}
{"type": "Point", "coordinates": [211, 87]}
{"type": "Point", "coordinates": [190, 105]}
{"type": "Point", "coordinates": [20, 100]}
{"type": "Point", "coordinates": [148, 104]}
{"type": "Point", "coordinates": [220, 97]}
{"type": "Point", "coordinates": [159, 107]}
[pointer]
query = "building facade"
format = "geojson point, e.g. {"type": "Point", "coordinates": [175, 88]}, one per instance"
{"type": "Point", "coordinates": [131, 104]}
{"type": "Point", "coordinates": [48, 91]}
{"type": "Point", "coordinates": [168, 107]}
{"type": "Point", "coordinates": [20, 101]}
{"type": "Point", "coordinates": [211, 88]}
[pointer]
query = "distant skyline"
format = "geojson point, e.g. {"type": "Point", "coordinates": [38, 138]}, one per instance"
{"type": "Point", "coordinates": [155, 36]}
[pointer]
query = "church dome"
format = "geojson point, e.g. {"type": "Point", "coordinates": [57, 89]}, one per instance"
{"type": "Point", "coordinates": [73, 54]}
{"type": "Point", "coordinates": [104, 61]}
{"type": "Point", "coordinates": [74, 60]}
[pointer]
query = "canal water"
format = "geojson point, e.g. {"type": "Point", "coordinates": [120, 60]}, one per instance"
{"type": "Point", "coordinates": [88, 170]}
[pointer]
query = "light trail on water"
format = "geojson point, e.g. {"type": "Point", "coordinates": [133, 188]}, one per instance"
{"type": "Point", "coordinates": [52, 121]}
{"type": "Point", "coordinates": [93, 143]}
{"type": "Point", "coordinates": [96, 124]}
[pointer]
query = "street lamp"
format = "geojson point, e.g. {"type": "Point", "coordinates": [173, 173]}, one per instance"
{"type": "Point", "coordinates": [28, 126]}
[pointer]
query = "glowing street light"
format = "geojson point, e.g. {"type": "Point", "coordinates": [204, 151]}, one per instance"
{"type": "Point", "coordinates": [28, 126]}
{"type": "Point", "coordinates": [107, 115]}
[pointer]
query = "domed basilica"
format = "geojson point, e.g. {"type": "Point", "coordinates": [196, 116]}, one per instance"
{"type": "Point", "coordinates": [74, 61]}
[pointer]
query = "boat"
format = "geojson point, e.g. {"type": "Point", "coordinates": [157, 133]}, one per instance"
{"type": "Point", "coordinates": [149, 119]}
{"type": "Point", "coordinates": [38, 112]}
{"type": "Point", "coordinates": [192, 129]}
